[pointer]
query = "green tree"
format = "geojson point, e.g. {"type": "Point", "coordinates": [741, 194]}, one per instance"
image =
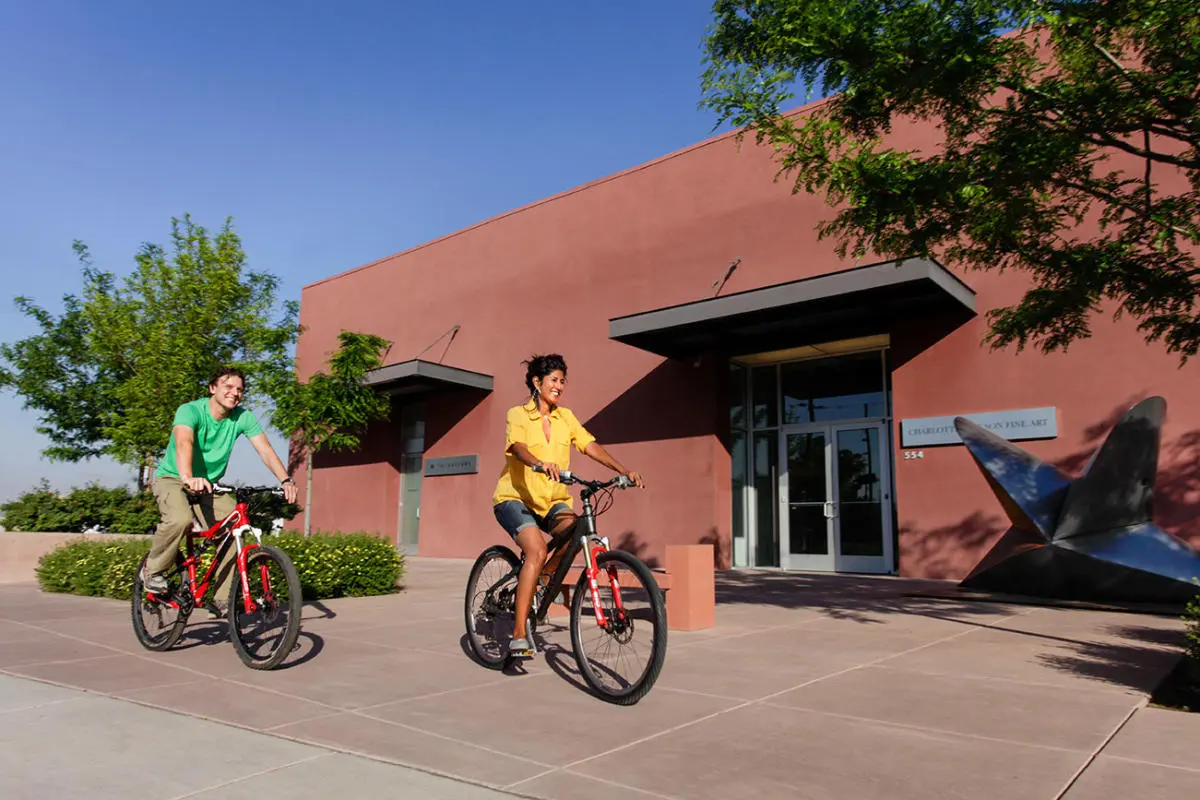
{"type": "Point", "coordinates": [108, 374]}
{"type": "Point", "coordinates": [1082, 111]}
{"type": "Point", "coordinates": [55, 374]}
{"type": "Point", "coordinates": [332, 409]}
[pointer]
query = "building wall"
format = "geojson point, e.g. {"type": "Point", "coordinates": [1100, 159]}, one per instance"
{"type": "Point", "coordinates": [548, 277]}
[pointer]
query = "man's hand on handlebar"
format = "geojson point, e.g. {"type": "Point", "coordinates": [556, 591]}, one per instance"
{"type": "Point", "coordinates": [196, 485]}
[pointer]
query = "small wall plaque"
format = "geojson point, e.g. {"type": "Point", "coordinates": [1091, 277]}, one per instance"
{"type": "Point", "coordinates": [451, 465]}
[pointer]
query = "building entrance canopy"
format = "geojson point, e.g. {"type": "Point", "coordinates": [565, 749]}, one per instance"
{"type": "Point", "coordinates": [417, 377]}
{"type": "Point", "coordinates": [855, 302]}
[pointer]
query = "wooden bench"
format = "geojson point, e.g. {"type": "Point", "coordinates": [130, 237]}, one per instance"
{"type": "Point", "coordinates": [687, 581]}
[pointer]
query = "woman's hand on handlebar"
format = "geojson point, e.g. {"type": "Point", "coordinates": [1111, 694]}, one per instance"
{"type": "Point", "coordinates": [197, 485]}
{"type": "Point", "coordinates": [548, 467]}
{"type": "Point", "coordinates": [636, 478]}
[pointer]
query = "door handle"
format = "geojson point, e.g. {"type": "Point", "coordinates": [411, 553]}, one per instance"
{"type": "Point", "coordinates": [830, 509]}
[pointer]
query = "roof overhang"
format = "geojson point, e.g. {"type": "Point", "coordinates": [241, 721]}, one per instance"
{"type": "Point", "coordinates": [425, 377]}
{"type": "Point", "coordinates": [855, 302]}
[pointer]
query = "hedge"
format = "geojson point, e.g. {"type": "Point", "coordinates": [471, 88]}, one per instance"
{"type": "Point", "coordinates": [329, 564]}
{"type": "Point", "coordinates": [1191, 619]}
{"type": "Point", "coordinates": [111, 510]}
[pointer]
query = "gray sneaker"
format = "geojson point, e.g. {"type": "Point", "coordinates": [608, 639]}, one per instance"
{"type": "Point", "coordinates": [155, 584]}
{"type": "Point", "coordinates": [520, 648]}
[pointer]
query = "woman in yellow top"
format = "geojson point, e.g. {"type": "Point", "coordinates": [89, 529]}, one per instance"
{"type": "Point", "coordinates": [528, 504]}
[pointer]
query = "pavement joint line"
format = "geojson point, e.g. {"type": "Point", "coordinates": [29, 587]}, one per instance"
{"type": "Point", "coordinates": [394, 762]}
{"type": "Point", "coordinates": [25, 664]}
{"type": "Point", "coordinates": [818, 617]}
{"type": "Point", "coordinates": [267, 771]}
{"type": "Point", "coordinates": [272, 729]}
{"type": "Point", "coordinates": [1131, 760]}
{"type": "Point", "coordinates": [924, 728]}
{"type": "Point", "coordinates": [415, 698]}
{"type": "Point", "coordinates": [1096, 689]}
{"type": "Point", "coordinates": [444, 737]}
{"type": "Point", "coordinates": [746, 704]}
{"type": "Point", "coordinates": [1087, 762]}
{"type": "Point", "coordinates": [614, 784]}
{"type": "Point", "coordinates": [700, 694]}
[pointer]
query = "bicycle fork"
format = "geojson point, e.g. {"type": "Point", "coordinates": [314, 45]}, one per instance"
{"type": "Point", "coordinates": [593, 572]}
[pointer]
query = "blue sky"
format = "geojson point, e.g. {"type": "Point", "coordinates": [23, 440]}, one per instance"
{"type": "Point", "coordinates": [333, 133]}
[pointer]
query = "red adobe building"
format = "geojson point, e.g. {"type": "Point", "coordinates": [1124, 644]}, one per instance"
{"type": "Point", "coordinates": [794, 420]}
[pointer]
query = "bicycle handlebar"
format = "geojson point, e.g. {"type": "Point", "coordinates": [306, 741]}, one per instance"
{"type": "Point", "coordinates": [245, 491]}
{"type": "Point", "coordinates": [567, 477]}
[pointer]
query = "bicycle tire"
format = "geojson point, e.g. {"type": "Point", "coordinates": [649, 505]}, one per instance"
{"type": "Point", "coordinates": [488, 659]}
{"type": "Point", "coordinates": [294, 605]}
{"type": "Point", "coordinates": [169, 637]}
{"type": "Point", "coordinates": [658, 652]}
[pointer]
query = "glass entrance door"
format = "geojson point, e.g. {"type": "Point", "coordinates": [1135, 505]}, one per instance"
{"type": "Point", "coordinates": [834, 498]}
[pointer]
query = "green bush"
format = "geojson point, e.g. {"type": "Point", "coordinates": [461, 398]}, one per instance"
{"type": "Point", "coordinates": [1191, 619]}
{"type": "Point", "coordinates": [329, 565]}
{"type": "Point", "coordinates": [335, 564]}
{"type": "Point", "coordinates": [117, 510]}
{"type": "Point", "coordinates": [92, 568]}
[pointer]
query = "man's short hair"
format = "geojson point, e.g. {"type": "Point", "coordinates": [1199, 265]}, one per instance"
{"type": "Point", "coordinates": [222, 372]}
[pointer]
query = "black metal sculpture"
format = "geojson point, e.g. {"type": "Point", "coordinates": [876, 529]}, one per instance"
{"type": "Point", "coordinates": [1090, 538]}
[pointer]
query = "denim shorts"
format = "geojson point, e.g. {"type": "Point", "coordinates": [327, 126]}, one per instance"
{"type": "Point", "coordinates": [514, 516]}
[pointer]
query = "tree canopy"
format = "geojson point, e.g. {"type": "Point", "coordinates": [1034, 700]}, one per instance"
{"type": "Point", "coordinates": [1053, 116]}
{"type": "Point", "coordinates": [107, 374]}
{"type": "Point", "coordinates": [331, 410]}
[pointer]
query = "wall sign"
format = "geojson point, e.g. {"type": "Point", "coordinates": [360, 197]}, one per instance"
{"type": "Point", "coordinates": [451, 465]}
{"type": "Point", "coordinates": [1015, 425]}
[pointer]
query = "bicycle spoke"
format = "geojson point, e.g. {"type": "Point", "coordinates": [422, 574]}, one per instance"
{"type": "Point", "coordinates": [620, 654]}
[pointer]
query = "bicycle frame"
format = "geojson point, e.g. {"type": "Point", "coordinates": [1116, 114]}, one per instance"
{"type": "Point", "coordinates": [235, 526]}
{"type": "Point", "coordinates": [575, 538]}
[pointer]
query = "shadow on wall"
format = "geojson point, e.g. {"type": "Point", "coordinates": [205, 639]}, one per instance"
{"type": "Point", "coordinates": [631, 542]}
{"type": "Point", "coordinates": [950, 552]}
{"type": "Point", "coordinates": [675, 400]}
{"type": "Point", "coordinates": [444, 411]}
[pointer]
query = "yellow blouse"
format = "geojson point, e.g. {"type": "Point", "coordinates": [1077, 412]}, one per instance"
{"type": "Point", "coordinates": [519, 482]}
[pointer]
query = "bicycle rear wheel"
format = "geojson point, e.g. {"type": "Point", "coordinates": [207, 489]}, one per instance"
{"type": "Point", "coordinates": [620, 660]}
{"type": "Point", "coordinates": [490, 605]}
{"type": "Point", "coordinates": [157, 624]}
{"type": "Point", "coordinates": [265, 636]}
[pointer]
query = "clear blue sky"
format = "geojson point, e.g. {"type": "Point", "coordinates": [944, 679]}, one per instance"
{"type": "Point", "coordinates": [334, 133]}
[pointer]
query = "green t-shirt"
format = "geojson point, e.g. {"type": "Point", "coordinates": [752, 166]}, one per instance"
{"type": "Point", "coordinates": [213, 440]}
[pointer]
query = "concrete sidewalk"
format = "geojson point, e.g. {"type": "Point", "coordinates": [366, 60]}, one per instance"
{"type": "Point", "coordinates": [59, 742]}
{"type": "Point", "coordinates": [810, 686]}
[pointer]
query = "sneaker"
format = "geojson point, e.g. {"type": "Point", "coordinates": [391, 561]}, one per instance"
{"type": "Point", "coordinates": [520, 648]}
{"type": "Point", "coordinates": [155, 584]}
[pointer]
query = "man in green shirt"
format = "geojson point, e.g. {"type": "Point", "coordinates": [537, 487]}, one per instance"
{"type": "Point", "coordinates": [202, 439]}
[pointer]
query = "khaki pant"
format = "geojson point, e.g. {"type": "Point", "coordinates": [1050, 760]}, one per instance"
{"type": "Point", "coordinates": [176, 510]}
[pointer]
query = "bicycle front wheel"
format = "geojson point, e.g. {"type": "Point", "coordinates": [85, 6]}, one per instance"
{"type": "Point", "coordinates": [490, 605]}
{"type": "Point", "coordinates": [621, 657]}
{"type": "Point", "coordinates": [265, 636]}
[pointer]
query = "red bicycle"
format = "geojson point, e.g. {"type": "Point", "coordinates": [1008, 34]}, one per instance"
{"type": "Point", "coordinates": [264, 602]}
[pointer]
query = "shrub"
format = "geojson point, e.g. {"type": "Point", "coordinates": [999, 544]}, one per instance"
{"type": "Point", "coordinates": [92, 568]}
{"type": "Point", "coordinates": [117, 510]}
{"type": "Point", "coordinates": [335, 564]}
{"type": "Point", "coordinates": [329, 565]}
{"type": "Point", "coordinates": [1191, 619]}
